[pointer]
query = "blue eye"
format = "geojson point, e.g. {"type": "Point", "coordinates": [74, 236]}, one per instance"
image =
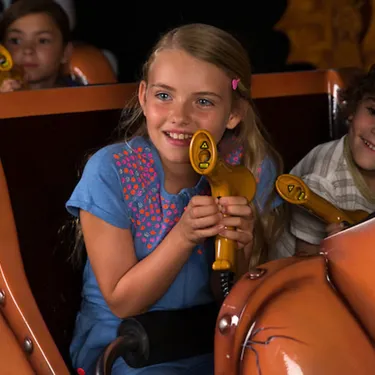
{"type": "Point", "coordinates": [205, 102]}
{"type": "Point", "coordinates": [163, 96]}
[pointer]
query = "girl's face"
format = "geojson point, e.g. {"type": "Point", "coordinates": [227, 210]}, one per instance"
{"type": "Point", "coordinates": [36, 44]}
{"type": "Point", "coordinates": [362, 135]}
{"type": "Point", "coordinates": [182, 95]}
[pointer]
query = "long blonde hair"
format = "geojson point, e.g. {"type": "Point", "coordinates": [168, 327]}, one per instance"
{"type": "Point", "coordinates": [216, 46]}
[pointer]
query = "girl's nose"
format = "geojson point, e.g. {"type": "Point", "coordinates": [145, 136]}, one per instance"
{"type": "Point", "coordinates": [180, 114]}
{"type": "Point", "coordinates": [28, 48]}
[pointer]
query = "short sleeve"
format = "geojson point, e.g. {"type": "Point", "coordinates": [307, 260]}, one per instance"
{"type": "Point", "coordinates": [304, 225]}
{"type": "Point", "coordinates": [267, 175]}
{"type": "Point", "coordinates": [99, 191]}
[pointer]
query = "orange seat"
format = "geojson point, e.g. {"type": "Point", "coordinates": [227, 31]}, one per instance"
{"type": "Point", "coordinates": [26, 344]}
{"type": "Point", "coordinates": [90, 66]}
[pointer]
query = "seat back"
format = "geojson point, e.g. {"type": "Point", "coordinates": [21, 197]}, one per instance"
{"type": "Point", "coordinates": [299, 109]}
{"type": "Point", "coordinates": [25, 341]}
{"type": "Point", "coordinates": [89, 65]}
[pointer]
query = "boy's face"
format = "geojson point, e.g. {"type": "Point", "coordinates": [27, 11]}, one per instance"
{"type": "Point", "coordinates": [362, 135]}
{"type": "Point", "coordinates": [36, 44]}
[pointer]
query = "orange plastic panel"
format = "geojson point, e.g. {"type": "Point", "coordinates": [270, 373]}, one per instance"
{"type": "Point", "coordinates": [351, 260]}
{"type": "Point", "coordinates": [19, 307]}
{"type": "Point", "coordinates": [286, 318]}
{"type": "Point", "coordinates": [12, 357]}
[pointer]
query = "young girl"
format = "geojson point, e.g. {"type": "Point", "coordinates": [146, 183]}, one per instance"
{"type": "Point", "coordinates": [342, 171]}
{"type": "Point", "coordinates": [37, 35]}
{"type": "Point", "coordinates": [144, 212]}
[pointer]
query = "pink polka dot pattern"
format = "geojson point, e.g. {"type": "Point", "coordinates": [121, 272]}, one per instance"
{"type": "Point", "coordinates": [152, 215]}
{"type": "Point", "coordinates": [235, 158]}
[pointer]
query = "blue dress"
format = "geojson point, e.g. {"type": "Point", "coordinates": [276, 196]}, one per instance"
{"type": "Point", "coordinates": [123, 185]}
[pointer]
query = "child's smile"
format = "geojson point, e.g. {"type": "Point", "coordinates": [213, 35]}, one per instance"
{"type": "Point", "coordinates": [369, 145]}
{"type": "Point", "coordinates": [178, 138]}
{"type": "Point", "coordinates": [182, 95]}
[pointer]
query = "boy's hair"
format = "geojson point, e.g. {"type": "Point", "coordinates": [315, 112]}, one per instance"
{"type": "Point", "coordinates": [216, 46]}
{"type": "Point", "coordinates": [361, 86]}
{"type": "Point", "coordinates": [23, 8]}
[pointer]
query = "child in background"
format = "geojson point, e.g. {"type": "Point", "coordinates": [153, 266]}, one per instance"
{"type": "Point", "coordinates": [37, 35]}
{"type": "Point", "coordinates": [341, 171]}
{"type": "Point", "coordinates": [145, 213]}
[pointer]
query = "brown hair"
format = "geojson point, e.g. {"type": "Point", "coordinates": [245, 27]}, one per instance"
{"type": "Point", "coordinates": [361, 86]}
{"type": "Point", "coordinates": [23, 8]}
{"type": "Point", "coordinates": [216, 46]}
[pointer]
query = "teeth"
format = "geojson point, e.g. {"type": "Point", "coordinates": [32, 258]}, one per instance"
{"type": "Point", "coordinates": [369, 145]}
{"type": "Point", "coordinates": [179, 135]}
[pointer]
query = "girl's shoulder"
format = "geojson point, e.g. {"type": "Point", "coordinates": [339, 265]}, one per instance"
{"type": "Point", "coordinates": [132, 153]}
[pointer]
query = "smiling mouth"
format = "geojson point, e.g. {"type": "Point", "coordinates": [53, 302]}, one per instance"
{"type": "Point", "coordinates": [180, 136]}
{"type": "Point", "coordinates": [368, 144]}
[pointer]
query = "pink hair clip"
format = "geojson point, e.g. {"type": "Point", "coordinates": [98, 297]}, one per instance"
{"type": "Point", "coordinates": [235, 82]}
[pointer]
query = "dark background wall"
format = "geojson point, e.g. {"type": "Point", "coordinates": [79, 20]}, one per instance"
{"type": "Point", "coordinates": [129, 29]}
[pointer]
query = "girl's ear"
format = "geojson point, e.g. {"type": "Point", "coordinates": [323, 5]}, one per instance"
{"type": "Point", "coordinates": [238, 113]}
{"type": "Point", "coordinates": [349, 120]}
{"type": "Point", "coordinates": [233, 121]}
{"type": "Point", "coordinates": [142, 89]}
{"type": "Point", "coordinates": [68, 50]}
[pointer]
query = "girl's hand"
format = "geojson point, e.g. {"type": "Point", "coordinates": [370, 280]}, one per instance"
{"type": "Point", "coordinates": [200, 220]}
{"type": "Point", "coordinates": [334, 228]}
{"type": "Point", "coordinates": [10, 85]}
{"type": "Point", "coordinates": [240, 217]}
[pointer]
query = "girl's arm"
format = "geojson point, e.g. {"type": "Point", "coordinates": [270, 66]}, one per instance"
{"type": "Point", "coordinates": [130, 286]}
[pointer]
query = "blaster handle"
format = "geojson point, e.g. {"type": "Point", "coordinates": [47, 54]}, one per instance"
{"type": "Point", "coordinates": [6, 61]}
{"type": "Point", "coordinates": [293, 190]}
{"type": "Point", "coordinates": [8, 70]}
{"type": "Point", "coordinates": [224, 180]}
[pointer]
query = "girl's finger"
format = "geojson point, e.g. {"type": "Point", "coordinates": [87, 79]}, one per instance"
{"type": "Point", "coordinates": [204, 211]}
{"type": "Point", "coordinates": [206, 222]}
{"type": "Point", "coordinates": [238, 222]}
{"type": "Point", "coordinates": [237, 210]}
{"type": "Point", "coordinates": [226, 201]}
{"type": "Point", "coordinates": [244, 237]}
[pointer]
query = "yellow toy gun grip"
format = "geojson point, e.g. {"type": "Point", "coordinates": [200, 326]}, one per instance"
{"type": "Point", "coordinates": [293, 190]}
{"type": "Point", "coordinates": [8, 70]}
{"type": "Point", "coordinates": [224, 180]}
{"type": "Point", "coordinates": [6, 61]}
